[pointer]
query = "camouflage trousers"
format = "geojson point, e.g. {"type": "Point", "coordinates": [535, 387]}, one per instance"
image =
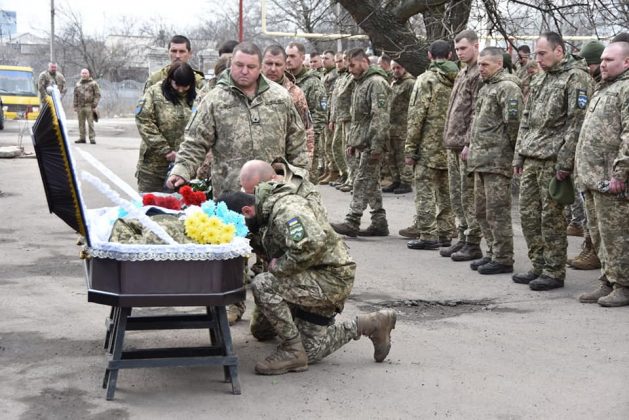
{"type": "Point", "coordinates": [462, 198]}
{"type": "Point", "coordinates": [543, 223]}
{"type": "Point", "coordinates": [367, 192]}
{"type": "Point", "coordinates": [493, 213]}
{"type": "Point", "coordinates": [575, 213]}
{"type": "Point", "coordinates": [432, 203]}
{"type": "Point", "coordinates": [274, 298]}
{"type": "Point", "coordinates": [317, 155]}
{"type": "Point", "coordinates": [338, 146]}
{"type": "Point", "coordinates": [328, 136]}
{"type": "Point", "coordinates": [86, 114]}
{"type": "Point", "coordinates": [395, 159]}
{"type": "Point", "coordinates": [152, 180]}
{"type": "Point", "coordinates": [607, 221]}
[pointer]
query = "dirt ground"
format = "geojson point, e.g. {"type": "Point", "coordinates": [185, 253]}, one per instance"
{"type": "Point", "coordinates": [465, 346]}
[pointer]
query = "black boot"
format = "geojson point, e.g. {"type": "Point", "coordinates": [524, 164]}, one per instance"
{"type": "Point", "coordinates": [469, 252]}
{"type": "Point", "coordinates": [494, 267]}
{"type": "Point", "coordinates": [391, 188]}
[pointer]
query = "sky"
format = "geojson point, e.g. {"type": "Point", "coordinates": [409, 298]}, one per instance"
{"type": "Point", "coordinates": [34, 15]}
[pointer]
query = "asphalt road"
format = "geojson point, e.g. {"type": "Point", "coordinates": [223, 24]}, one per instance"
{"type": "Point", "coordinates": [466, 346]}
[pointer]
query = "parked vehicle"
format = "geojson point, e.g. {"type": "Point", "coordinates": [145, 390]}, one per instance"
{"type": "Point", "coordinates": [18, 93]}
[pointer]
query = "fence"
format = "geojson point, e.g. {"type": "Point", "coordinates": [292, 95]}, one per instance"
{"type": "Point", "coordinates": [118, 99]}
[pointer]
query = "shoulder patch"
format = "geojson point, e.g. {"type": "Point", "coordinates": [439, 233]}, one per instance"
{"type": "Point", "coordinates": [382, 100]}
{"type": "Point", "coordinates": [139, 106]}
{"type": "Point", "coordinates": [512, 109]}
{"type": "Point", "coordinates": [296, 230]}
{"type": "Point", "coordinates": [582, 98]}
{"type": "Point", "coordinates": [323, 103]}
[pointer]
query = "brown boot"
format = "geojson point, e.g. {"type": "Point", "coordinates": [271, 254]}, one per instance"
{"type": "Point", "coordinates": [469, 252]}
{"type": "Point", "coordinates": [574, 230]}
{"type": "Point", "coordinates": [604, 289]}
{"type": "Point", "coordinates": [587, 259]}
{"type": "Point", "coordinates": [235, 312]}
{"type": "Point", "coordinates": [618, 297]}
{"type": "Point", "coordinates": [410, 232]}
{"type": "Point", "coordinates": [377, 326]}
{"type": "Point", "coordinates": [345, 228]}
{"type": "Point", "coordinates": [289, 356]}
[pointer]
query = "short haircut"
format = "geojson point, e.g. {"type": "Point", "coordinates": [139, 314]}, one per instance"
{"type": "Point", "coordinates": [180, 39]}
{"type": "Point", "coordinates": [385, 58]}
{"type": "Point", "coordinates": [554, 39]}
{"type": "Point", "coordinates": [468, 34]}
{"type": "Point", "coordinates": [275, 49]}
{"type": "Point", "coordinates": [314, 53]}
{"type": "Point", "coordinates": [524, 48]}
{"type": "Point", "coordinates": [621, 37]}
{"type": "Point", "coordinates": [494, 52]}
{"type": "Point", "coordinates": [357, 53]}
{"type": "Point", "coordinates": [624, 47]}
{"type": "Point", "coordinates": [439, 49]}
{"type": "Point", "coordinates": [236, 200]}
{"type": "Point", "coordinates": [249, 48]}
{"type": "Point", "coordinates": [300, 47]}
{"type": "Point", "coordinates": [227, 47]}
{"type": "Point", "coordinates": [328, 52]}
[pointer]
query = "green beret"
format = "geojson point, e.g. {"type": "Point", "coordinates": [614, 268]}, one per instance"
{"type": "Point", "coordinates": [592, 52]}
{"type": "Point", "coordinates": [561, 191]}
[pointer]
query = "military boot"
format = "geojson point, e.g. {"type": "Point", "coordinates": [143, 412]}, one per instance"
{"type": "Point", "coordinates": [339, 181]}
{"type": "Point", "coordinates": [409, 232]}
{"type": "Point", "coordinates": [377, 326]}
{"type": "Point", "coordinates": [587, 259]}
{"type": "Point", "coordinates": [372, 230]}
{"type": "Point", "coordinates": [494, 267]}
{"type": "Point", "coordinates": [324, 177]}
{"type": "Point", "coordinates": [447, 252]}
{"type": "Point", "coordinates": [289, 356]}
{"type": "Point", "coordinates": [345, 188]}
{"type": "Point", "coordinates": [427, 244]}
{"type": "Point", "coordinates": [391, 187]}
{"type": "Point", "coordinates": [477, 263]}
{"type": "Point", "coordinates": [235, 312]}
{"type": "Point", "coordinates": [574, 230]}
{"type": "Point", "coordinates": [260, 326]}
{"type": "Point", "coordinates": [345, 228]}
{"type": "Point", "coordinates": [403, 189]}
{"type": "Point", "coordinates": [604, 289]}
{"type": "Point", "coordinates": [618, 297]}
{"type": "Point", "coordinates": [524, 278]}
{"type": "Point", "coordinates": [467, 253]}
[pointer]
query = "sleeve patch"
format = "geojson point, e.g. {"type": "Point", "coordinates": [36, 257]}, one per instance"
{"type": "Point", "coordinates": [139, 106]}
{"type": "Point", "coordinates": [296, 230]}
{"type": "Point", "coordinates": [323, 103]}
{"type": "Point", "coordinates": [382, 100]}
{"type": "Point", "coordinates": [512, 109]}
{"type": "Point", "coordinates": [582, 98]}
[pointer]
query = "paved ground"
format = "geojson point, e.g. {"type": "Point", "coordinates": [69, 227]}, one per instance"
{"type": "Point", "coordinates": [465, 346]}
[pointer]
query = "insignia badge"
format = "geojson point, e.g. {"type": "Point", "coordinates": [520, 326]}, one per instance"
{"type": "Point", "coordinates": [512, 109]}
{"type": "Point", "coordinates": [582, 99]}
{"type": "Point", "coordinates": [139, 106]}
{"type": "Point", "coordinates": [296, 230]}
{"type": "Point", "coordinates": [324, 104]}
{"type": "Point", "coordinates": [381, 101]}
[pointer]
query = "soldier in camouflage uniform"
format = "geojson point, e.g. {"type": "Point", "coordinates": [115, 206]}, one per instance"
{"type": "Point", "coordinates": [341, 118]}
{"type": "Point", "coordinates": [245, 117]}
{"type": "Point", "coordinates": [86, 97]}
{"type": "Point", "coordinates": [602, 168]}
{"type": "Point", "coordinates": [494, 132]}
{"type": "Point", "coordinates": [312, 86]}
{"type": "Point", "coordinates": [368, 134]}
{"type": "Point", "coordinates": [161, 116]}
{"type": "Point", "coordinates": [51, 77]}
{"type": "Point", "coordinates": [424, 149]}
{"type": "Point", "coordinates": [310, 276]}
{"type": "Point", "coordinates": [548, 134]}
{"type": "Point", "coordinates": [179, 50]}
{"type": "Point", "coordinates": [456, 139]}
{"type": "Point", "coordinates": [330, 76]}
{"type": "Point", "coordinates": [401, 88]}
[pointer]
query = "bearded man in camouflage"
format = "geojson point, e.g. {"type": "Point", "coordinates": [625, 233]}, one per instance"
{"type": "Point", "coordinates": [310, 276]}
{"type": "Point", "coordinates": [602, 166]}
{"type": "Point", "coordinates": [494, 132]}
{"type": "Point", "coordinates": [548, 135]}
{"type": "Point", "coordinates": [369, 132]}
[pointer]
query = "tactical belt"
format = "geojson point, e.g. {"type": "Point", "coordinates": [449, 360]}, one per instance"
{"type": "Point", "coordinates": [313, 318]}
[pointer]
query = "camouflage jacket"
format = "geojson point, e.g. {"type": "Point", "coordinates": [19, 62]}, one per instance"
{"type": "Point", "coordinates": [369, 130]}
{"type": "Point", "coordinates": [499, 106]}
{"type": "Point", "coordinates": [312, 86]}
{"type": "Point", "coordinates": [603, 147]}
{"type": "Point", "coordinates": [161, 74]}
{"type": "Point", "coordinates": [427, 115]}
{"type": "Point", "coordinates": [86, 93]}
{"type": "Point", "coordinates": [461, 108]}
{"type": "Point", "coordinates": [329, 79]}
{"type": "Point", "coordinates": [341, 102]}
{"type": "Point", "coordinates": [238, 128]}
{"type": "Point", "coordinates": [46, 79]}
{"type": "Point", "coordinates": [301, 104]}
{"type": "Point", "coordinates": [161, 125]}
{"type": "Point", "coordinates": [298, 178]}
{"type": "Point", "coordinates": [401, 90]}
{"type": "Point", "coordinates": [302, 240]}
{"type": "Point", "coordinates": [553, 114]}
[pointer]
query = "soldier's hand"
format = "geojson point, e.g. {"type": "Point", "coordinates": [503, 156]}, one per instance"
{"type": "Point", "coordinates": [616, 186]}
{"type": "Point", "coordinates": [331, 126]}
{"type": "Point", "coordinates": [517, 170]}
{"type": "Point", "coordinates": [350, 151]}
{"type": "Point", "coordinates": [465, 153]}
{"type": "Point", "coordinates": [175, 181]}
{"type": "Point", "coordinates": [171, 156]}
{"type": "Point", "coordinates": [561, 175]}
{"type": "Point", "coordinates": [409, 161]}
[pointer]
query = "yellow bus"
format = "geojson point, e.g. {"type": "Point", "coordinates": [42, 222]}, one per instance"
{"type": "Point", "coordinates": [18, 92]}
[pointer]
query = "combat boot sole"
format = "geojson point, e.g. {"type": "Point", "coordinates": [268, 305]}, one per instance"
{"type": "Point", "coordinates": [262, 369]}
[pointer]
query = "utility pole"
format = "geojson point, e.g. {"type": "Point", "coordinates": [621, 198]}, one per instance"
{"type": "Point", "coordinates": [52, 31]}
{"type": "Point", "coordinates": [339, 42]}
{"type": "Point", "coordinates": [241, 29]}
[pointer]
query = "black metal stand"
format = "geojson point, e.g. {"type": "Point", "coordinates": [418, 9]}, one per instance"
{"type": "Point", "coordinates": [220, 352]}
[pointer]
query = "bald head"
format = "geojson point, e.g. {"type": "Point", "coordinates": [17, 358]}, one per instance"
{"type": "Point", "coordinates": [254, 172]}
